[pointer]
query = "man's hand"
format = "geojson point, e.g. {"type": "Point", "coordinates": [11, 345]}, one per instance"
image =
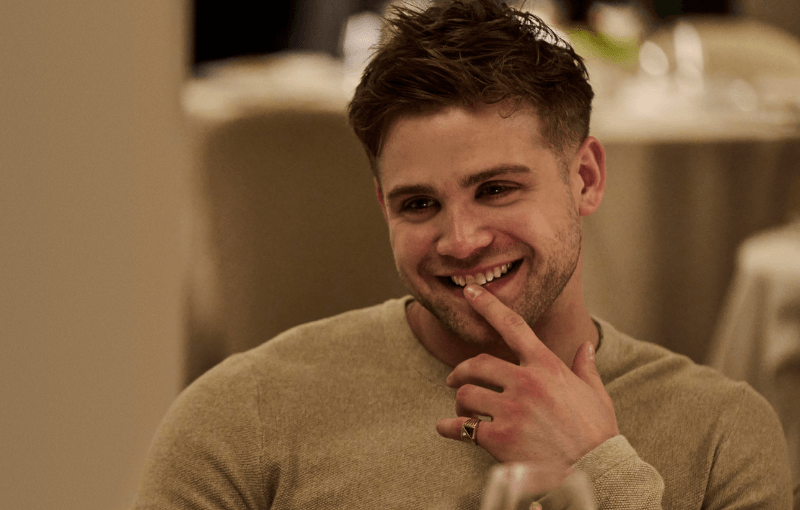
{"type": "Point", "coordinates": [546, 412]}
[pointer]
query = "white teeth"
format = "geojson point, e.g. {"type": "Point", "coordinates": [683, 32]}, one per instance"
{"type": "Point", "coordinates": [481, 278]}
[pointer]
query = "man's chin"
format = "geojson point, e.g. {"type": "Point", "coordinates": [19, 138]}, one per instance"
{"type": "Point", "coordinates": [457, 317]}
{"type": "Point", "coordinates": [481, 337]}
{"type": "Point", "coordinates": [467, 325]}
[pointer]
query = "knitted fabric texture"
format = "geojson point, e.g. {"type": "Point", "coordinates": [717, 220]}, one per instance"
{"type": "Point", "coordinates": [340, 413]}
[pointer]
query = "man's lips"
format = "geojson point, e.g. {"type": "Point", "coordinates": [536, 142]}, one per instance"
{"type": "Point", "coordinates": [481, 276]}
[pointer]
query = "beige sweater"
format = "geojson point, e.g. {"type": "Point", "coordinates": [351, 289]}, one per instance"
{"type": "Point", "coordinates": [340, 413]}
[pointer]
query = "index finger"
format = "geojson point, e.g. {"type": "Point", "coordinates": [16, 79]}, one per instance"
{"type": "Point", "coordinates": [517, 334]}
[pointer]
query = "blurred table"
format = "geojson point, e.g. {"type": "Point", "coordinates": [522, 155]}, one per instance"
{"type": "Point", "coordinates": [683, 192]}
{"type": "Point", "coordinates": [703, 143]}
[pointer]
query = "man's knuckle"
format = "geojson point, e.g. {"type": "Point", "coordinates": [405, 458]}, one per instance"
{"type": "Point", "coordinates": [512, 409]}
{"type": "Point", "coordinates": [464, 392]}
{"type": "Point", "coordinates": [481, 359]}
{"type": "Point", "coordinates": [531, 385]}
{"type": "Point", "coordinates": [502, 434]}
{"type": "Point", "coordinates": [527, 380]}
{"type": "Point", "coordinates": [554, 367]}
{"type": "Point", "coordinates": [467, 366]}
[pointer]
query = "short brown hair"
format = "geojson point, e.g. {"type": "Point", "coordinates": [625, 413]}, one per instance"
{"type": "Point", "coordinates": [468, 52]}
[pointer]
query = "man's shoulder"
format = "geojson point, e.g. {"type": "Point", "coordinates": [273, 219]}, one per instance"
{"type": "Point", "coordinates": [341, 330]}
{"type": "Point", "coordinates": [629, 362]}
{"type": "Point", "coordinates": [621, 355]}
{"type": "Point", "coordinates": [349, 339]}
{"type": "Point", "coordinates": [334, 339]}
{"type": "Point", "coordinates": [688, 420]}
{"type": "Point", "coordinates": [651, 379]}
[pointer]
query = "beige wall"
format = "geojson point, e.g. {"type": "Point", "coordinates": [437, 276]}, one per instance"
{"type": "Point", "coordinates": [92, 194]}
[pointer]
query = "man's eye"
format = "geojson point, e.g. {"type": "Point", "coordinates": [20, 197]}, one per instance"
{"type": "Point", "coordinates": [492, 190]}
{"type": "Point", "coordinates": [418, 204]}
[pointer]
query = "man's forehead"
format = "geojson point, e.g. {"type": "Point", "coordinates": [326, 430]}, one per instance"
{"type": "Point", "coordinates": [482, 122]}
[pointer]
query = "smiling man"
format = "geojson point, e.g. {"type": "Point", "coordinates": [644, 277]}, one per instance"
{"type": "Point", "coordinates": [474, 197]}
{"type": "Point", "coordinates": [475, 118]}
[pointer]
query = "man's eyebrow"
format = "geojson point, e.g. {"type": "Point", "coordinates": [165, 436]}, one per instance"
{"type": "Point", "coordinates": [414, 189]}
{"type": "Point", "coordinates": [472, 180]}
{"type": "Point", "coordinates": [466, 182]}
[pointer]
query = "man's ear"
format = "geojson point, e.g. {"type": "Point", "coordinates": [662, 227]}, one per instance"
{"type": "Point", "coordinates": [379, 194]}
{"type": "Point", "coordinates": [590, 166]}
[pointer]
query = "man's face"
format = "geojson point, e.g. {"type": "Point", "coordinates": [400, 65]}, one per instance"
{"type": "Point", "coordinates": [472, 196]}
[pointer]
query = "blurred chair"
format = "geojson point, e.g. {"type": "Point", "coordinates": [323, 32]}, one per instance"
{"type": "Point", "coordinates": [286, 226]}
{"type": "Point", "coordinates": [758, 336]}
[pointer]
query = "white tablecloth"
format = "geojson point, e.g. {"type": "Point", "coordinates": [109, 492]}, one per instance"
{"type": "Point", "coordinates": [758, 337]}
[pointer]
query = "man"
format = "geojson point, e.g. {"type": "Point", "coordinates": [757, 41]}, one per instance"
{"type": "Point", "coordinates": [475, 119]}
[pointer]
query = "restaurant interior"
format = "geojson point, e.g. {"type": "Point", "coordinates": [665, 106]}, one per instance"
{"type": "Point", "coordinates": [186, 186]}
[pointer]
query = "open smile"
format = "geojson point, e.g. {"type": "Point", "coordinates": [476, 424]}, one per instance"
{"type": "Point", "coordinates": [483, 277]}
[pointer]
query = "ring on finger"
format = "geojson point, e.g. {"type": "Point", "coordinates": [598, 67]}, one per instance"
{"type": "Point", "coordinates": [469, 431]}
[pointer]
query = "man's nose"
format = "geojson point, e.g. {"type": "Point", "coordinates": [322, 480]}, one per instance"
{"type": "Point", "coordinates": [462, 232]}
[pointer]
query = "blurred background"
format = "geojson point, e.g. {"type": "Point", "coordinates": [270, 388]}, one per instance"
{"type": "Point", "coordinates": [179, 183]}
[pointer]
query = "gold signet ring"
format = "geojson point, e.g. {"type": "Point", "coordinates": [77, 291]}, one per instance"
{"type": "Point", "coordinates": [469, 431]}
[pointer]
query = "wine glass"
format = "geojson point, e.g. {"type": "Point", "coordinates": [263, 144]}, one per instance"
{"type": "Point", "coordinates": [528, 486]}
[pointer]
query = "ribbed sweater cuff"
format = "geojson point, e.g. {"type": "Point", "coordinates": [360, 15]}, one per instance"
{"type": "Point", "coordinates": [620, 478]}
{"type": "Point", "coordinates": [606, 457]}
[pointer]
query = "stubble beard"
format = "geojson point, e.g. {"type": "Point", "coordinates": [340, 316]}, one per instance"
{"type": "Point", "coordinates": [542, 289]}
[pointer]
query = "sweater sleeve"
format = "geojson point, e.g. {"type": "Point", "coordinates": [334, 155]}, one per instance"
{"type": "Point", "coordinates": [751, 464]}
{"type": "Point", "coordinates": [620, 479]}
{"type": "Point", "coordinates": [207, 452]}
{"type": "Point", "coordinates": [749, 469]}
